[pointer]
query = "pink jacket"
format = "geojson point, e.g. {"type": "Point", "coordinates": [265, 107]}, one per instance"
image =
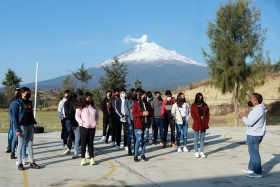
{"type": "Point", "coordinates": [87, 117]}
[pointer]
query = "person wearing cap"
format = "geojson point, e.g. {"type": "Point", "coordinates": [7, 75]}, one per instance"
{"type": "Point", "coordinates": [10, 132]}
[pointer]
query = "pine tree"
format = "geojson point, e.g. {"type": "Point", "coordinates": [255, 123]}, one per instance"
{"type": "Point", "coordinates": [138, 83]}
{"type": "Point", "coordinates": [236, 38]}
{"type": "Point", "coordinates": [115, 76]}
{"type": "Point", "coordinates": [11, 82]}
{"type": "Point", "coordinates": [82, 76]}
{"type": "Point", "coordinates": [69, 84]}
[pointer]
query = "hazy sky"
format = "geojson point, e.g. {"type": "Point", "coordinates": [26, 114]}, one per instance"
{"type": "Point", "coordinates": [62, 34]}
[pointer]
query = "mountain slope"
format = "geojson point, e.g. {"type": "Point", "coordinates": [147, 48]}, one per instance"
{"type": "Point", "coordinates": [157, 68]}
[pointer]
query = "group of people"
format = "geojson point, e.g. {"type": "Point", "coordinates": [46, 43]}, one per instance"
{"type": "Point", "coordinates": [135, 113]}
{"type": "Point", "coordinates": [79, 117]}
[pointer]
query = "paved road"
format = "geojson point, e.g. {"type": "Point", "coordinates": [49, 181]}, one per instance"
{"type": "Point", "coordinates": [225, 148]}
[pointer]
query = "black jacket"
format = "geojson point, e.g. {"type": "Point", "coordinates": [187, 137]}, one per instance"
{"type": "Point", "coordinates": [70, 109]}
{"type": "Point", "coordinates": [112, 107]}
{"type": "Point", "coordinates": [104, 106]}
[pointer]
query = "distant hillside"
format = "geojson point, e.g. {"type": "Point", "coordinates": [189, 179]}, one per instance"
{"type": "Point", "coordinates": [270, 91]}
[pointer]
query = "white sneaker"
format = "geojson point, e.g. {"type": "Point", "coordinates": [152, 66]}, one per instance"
{"type": "Point", "coordinates": [247, 171]}
{"type": "Point", "coordinates": [185, 149]}
{"type": "Point", "coordinates": [202, 155]}
{"type": "Point", "coordinates": [26, 159]}
{"type": "Point", "coordinates": [67, 151]}
{"type": "Point", "coordinates": [112, 144]}
{"type": "Point", "coordinates": [64, 147]}
{"type": "Point", "coordinates": [254, 175]}
{"type": "Point", "coordinates": [110, 138]}
{"type": "Point", "coordinates": [87, 155]}
{"type": "Point", "coordinates": [121, 145]}
{"type": "Point", "coordinates": [126, 148]}
{"type": "Point", "coordinates": [117, 148]}
{"type": "Point", "coordinates": [17, 162]}
{"type": "Point", "coordinates": [179, 150]}
{"type": "Point", "coordinates": [103, 138]}
{"type": "Point", "coordinates": [196, 155]}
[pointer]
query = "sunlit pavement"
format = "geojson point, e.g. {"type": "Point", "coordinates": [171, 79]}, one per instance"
{"type": "Point", "coordinates": [225, 148]}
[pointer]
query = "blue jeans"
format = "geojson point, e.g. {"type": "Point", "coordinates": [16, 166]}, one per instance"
{"type": "Point", "coordinates": [14, 141]}
{"type": "Point", "coordinates": [26, 136]}
{"type": "Point", "coordinates": [196, 137]}
{"type": "Point", "coordinates": [255, 158]}
{"type": "Point", "coordinates": [184, 128]}
{"type": "Point", "coordinates": [141, 135]}
{"type": "Point", "coordinates": [66, 132]}
{"type": "Point", "coordinates": [77, 139]}
{"type": "Point", "coordinates": [10, 133]}
{"type": "Point", "coordinates": [158, 123]}
{"type": "Point", "coordinates": [130, 133]}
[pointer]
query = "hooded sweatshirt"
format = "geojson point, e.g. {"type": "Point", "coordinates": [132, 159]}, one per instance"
{"type": "Point", "coordinates": [87, 117]}
{"type": "Point", "coordinates": [256, 121]}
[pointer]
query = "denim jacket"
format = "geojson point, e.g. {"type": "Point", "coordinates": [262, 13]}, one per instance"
{"type": "Point", "coordinates": [128, 104]}
{"type": "Point", "coordinates": [16, 113]}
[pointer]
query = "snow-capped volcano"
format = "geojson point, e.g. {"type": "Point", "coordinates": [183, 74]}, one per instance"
{"type": "Point", "coordinates": [151, 53]}
{"type": "Point", "coordinates": [157, 68]}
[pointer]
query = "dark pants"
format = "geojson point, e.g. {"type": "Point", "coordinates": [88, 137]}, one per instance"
{"type": "Point", "coordinates": [63, 128]}
{"type": "Point", "coordinates": [106, 123]}
{"type": "Point", "coordinates": [166, 123]}
{"type": "Point", "coordinates": [113, 124]}
{"type": "Point", "coordinates": [121, 125]}
{"type": "Point", "coordinates": [68, 133]}
{"type": "Point", "coordinates": [158, 124]}
{"type": "Point", "coordinates": [87, 138]}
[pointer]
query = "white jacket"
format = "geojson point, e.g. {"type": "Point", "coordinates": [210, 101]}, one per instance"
{"type": "Point", "coordinates": [256, 121]}
{"type": "Point", "coordinates": [175, 112]}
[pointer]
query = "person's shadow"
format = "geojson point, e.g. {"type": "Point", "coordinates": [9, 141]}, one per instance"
{"type": "Point", "coordinates": [268, 166]}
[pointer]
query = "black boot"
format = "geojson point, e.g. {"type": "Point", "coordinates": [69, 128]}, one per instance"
{"type": "Point", "coordinates": [144, 158]}
{"type": "Point", "coordinates": [136, 159]}
{"type": "Point", "coordinates": [13, 155]}
{"type": "Point", "coordinates": [9, 148]}
{"type": "Point", "coordinates": [130, 152]}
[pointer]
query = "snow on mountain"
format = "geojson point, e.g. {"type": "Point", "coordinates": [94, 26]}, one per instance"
{"type": "Point", "coordinates": [151, 53]}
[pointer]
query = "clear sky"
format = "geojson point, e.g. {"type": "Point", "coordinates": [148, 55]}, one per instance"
{"type": "Point", "coordinates": [62, 34]}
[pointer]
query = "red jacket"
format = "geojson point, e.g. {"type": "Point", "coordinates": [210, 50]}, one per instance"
{"type": "Point", "coordinates": [198, 125]}
{"type": "Point", "coordinates": [138, 115]}
{"type": "Point", "coordinates": [163, 109]}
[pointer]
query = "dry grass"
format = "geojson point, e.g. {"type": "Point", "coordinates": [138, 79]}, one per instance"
{"type": "Point", "coordinates": [193, 85]}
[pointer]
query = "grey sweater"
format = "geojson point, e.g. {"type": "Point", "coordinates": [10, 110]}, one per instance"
{"type": "Point", "coordinates": [156, 106]}
{"type": "Point", "coordinates": [256, 121]}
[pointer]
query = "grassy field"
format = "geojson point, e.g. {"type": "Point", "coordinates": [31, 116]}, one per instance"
{"type": "Point", "coordinates": [50, 121]}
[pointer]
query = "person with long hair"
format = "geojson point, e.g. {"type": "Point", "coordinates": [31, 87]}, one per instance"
{"type": "Point", "coordinates": [87, 117]}
{"type": "Point", "coordinates": [181, 113]}
{"type": "Point", "coordinates": [142, 113]}
{"type": "Point", "coordinates": [113, 116]}
{"type": "Point", "coordinates": [131, 98]}
{"type": "Point", "coordinates": [201, 115]}
{"type": "Point", "coordinates": [106, 117]}
{"type": "Point", "coordinates": [23, 123]}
